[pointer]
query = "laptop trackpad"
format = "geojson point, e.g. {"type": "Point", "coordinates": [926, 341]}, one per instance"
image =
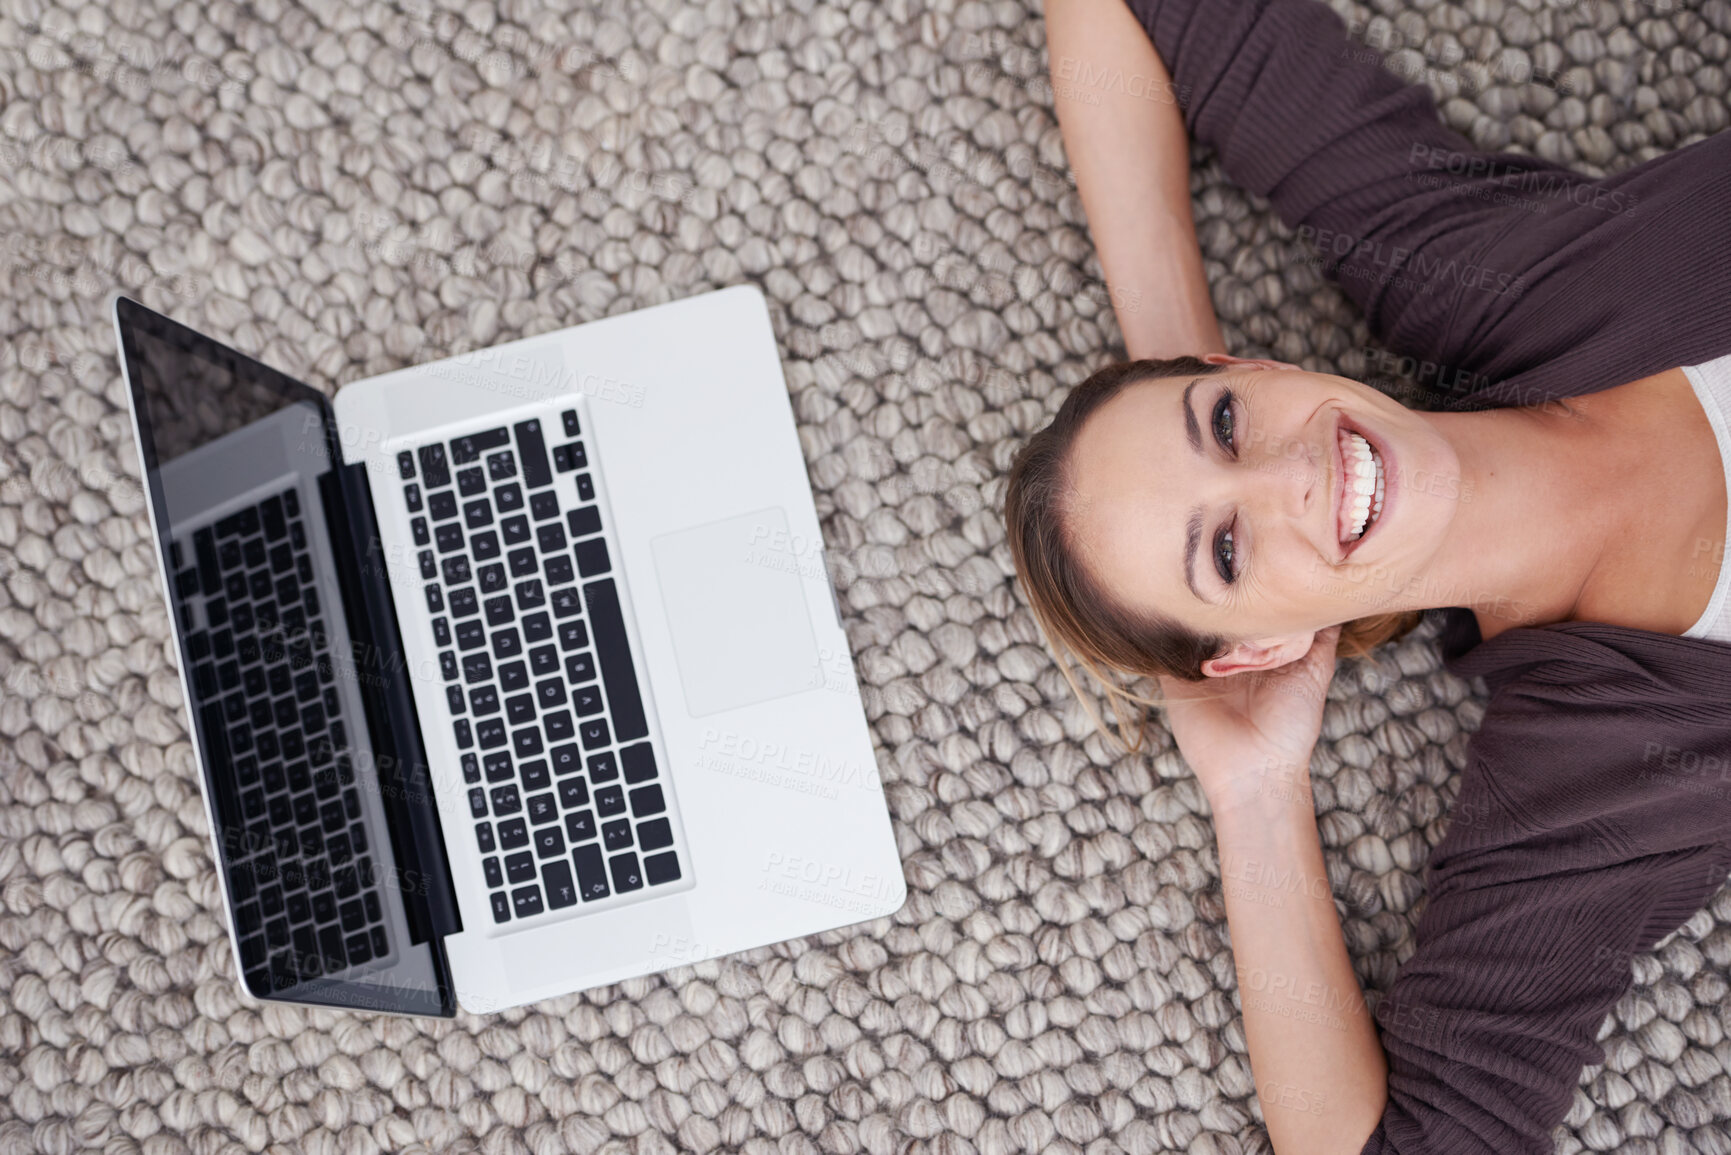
{"type": "Point", "coordinates": [735, 600]}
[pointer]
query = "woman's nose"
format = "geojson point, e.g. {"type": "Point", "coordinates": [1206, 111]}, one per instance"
{"type": "Point", "coordinates": [1284, 475]}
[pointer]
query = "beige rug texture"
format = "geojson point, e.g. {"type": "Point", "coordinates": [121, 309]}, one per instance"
{"type": "Point", "coordinates": [346, 188]}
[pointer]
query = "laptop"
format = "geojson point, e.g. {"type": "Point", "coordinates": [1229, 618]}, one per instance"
{"type": "Point", "coordinates": [512, 674]}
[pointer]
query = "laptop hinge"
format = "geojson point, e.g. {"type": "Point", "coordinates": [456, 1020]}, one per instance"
{"type": "Point", "coordinates": [399, 754]}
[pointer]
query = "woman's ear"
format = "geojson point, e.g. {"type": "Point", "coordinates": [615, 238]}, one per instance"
{"type": "Point", "coordinates": [1259, 362]}
{"type": "Point", "coordinates": [1269, 654]}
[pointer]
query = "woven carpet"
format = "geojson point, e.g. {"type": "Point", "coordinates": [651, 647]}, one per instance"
{"type": "Point", "coordinates": [346, 188]}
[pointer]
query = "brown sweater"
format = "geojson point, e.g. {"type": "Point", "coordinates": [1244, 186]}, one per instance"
{"type": "Point", "coordinates": [1594, 813]}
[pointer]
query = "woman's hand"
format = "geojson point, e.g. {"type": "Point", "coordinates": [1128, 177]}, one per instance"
{"type": "Point", "coordinates": [1244, 733]}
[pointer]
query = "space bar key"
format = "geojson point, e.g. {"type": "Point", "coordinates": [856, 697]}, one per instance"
{"type": "Point", "coordinates": [625, 702]}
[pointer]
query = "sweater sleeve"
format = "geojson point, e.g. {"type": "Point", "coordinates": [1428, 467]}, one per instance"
{"type": "Point", "coordinates": [1488, 266]}
{"type": "Point", "coordinates": [1488, 1025]}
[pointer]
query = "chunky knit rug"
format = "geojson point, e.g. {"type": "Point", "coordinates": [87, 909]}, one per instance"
{"type": "Point", "coordinates": [344, 188]}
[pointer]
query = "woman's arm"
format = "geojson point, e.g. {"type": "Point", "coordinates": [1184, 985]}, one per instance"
{"type": "Point", "coordinates": [1124, 135]}
{"type": "Point", "coordinates": [1319, 1068]}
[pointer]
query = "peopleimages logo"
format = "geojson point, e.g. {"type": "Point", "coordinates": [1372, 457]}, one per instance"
{"type": "Point", "coordinates": [1405, 266]}
{"type": "Point", "coordinates": [1540, 183]}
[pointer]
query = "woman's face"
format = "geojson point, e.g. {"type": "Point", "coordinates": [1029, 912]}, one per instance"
{"type": "Point", "coordinates": [1222, 501]}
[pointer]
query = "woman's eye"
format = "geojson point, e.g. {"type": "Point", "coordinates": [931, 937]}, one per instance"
{"type": "Point", "coordinates": [1226, 557]}
{"type": "Point", "coordinates": [1223, 426]}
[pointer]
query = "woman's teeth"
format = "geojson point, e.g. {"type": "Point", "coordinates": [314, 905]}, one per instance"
{"type": "Point", "coordinates": [1364, 486]}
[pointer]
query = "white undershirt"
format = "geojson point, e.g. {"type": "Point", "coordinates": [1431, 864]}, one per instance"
{"type": "Point", "coordinates": [1712, 383]}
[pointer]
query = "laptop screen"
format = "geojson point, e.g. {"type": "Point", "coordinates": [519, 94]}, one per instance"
{"type": "Point", "coordinates": [252, 527]}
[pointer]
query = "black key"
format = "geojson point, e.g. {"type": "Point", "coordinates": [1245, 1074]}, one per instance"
{"type": "Point", "coordinates": [456, 570]}
{"type": "Point", "coordinates": [484, 545]}
{"type": "Point", "coordinates": [471, 768]}
{"type": "Point", "coordinates": [639, 763]}
{"type": "Point", "coordinates": [544, 505]}
{"type": "Point", "coordinates": [515, 530]}
{"type": "Point", "coordinates": [499, 768]}
{"type": "Point", "coordinates": [558, 726]}
{"type": "Point", "coordinates": [586, 700]}
{"type": "Point", "coordinates": [501, 465]}
{"type": "Point", "coordinates": [204, 549]}
{"type": "Point", "coordinates": [374, 913]}
{"type": "Point", "coordinates": [594, 733]}
{"type": "Point", "coordinates": [543, 660]}
{"type": "Point", "coordinates": [603, 767]}
{"type": "Point", "coordinates": [584, 520]}
{"type": "Point", "coordinates": [654, 834]}
{"type": "Point", "coordinates": [573, 635]}
{"type": "Point", "coordinates": [227, 802]}
{"type": "Point", "coordinates": [291, 503]}
{"type": "Point", "coordinates": [543, 809]}
{"type": "Point", "coordinates": [501, 907]}
{"type": "Point", "coordinates": [324, 906]}
{"type": "Point", "coordinates": [523, 562]}
{"type": "Point", "coordinates": [530, 594]}
{"type": "Point", "coordinates": [513, 677]}
{"type": "Point", "coordinates": [647, 800]}
{"type": "Point", "coordinates": [527, 742]}
{"type": "Point", "coordinates": [406, 464]}
{"type": "Point", "coordinates": [465, 736]}
{"type": "Point", "coordinates": [464, 602]}
{"type": "Point", "coordinates": [483, 701]}
{"type": "Point", "coordinates": [499, 611]}
{"type": "Point", "coordinates": [477, 514]}
{"type": "Point", "coordinates": [616, 836]}
{"type": "Point", "coordinates": [450, 536]}
{"type": "Point", "coordinates": [513, 833]}
{"type": "Point", "coordinates": [186, 582]}
{"type": "Point", "coordinates": [300, 907]}
{"type": "Point", "coordinates": [592, 556]}
{"type": "Point", "coordinates": [626, 875]}
{"type": "Point", "coordinates": [198, 645]}
{"type": "Point", "coordinates": [561, 891]}
{"type": "Point", "coordinates": [617, 671]}
{"type": "Point", "coordinates": [471, 481]}
{"type": "Point", "coordinates": [412, 497]}
{"type": "Point", "coordinates": [380, 944]}
{"type": "Point", "coordinates": [477, 668]}
{"type": "Point", "coordinates": [661, 868]}
{"type": "Point", "coordinates": [520, 867]}
{"type": "Point", "coordinates": [559, 571]}
{"type": "Point", "coordinates": [532, 449]}
{"type": "Point", "coordinates": [526, 901]}
{"type": "Point", "coordinates": [506, 800]}
{"type": "Point", "coordinates": [585, 488]}
{"type": "Point", "coordinates": [360, 948]}
{"type": "Point", "coordinates": [537, 627]}
{"type": "Point", "coordinates": [520, 709]}
{"type": "Point", "coordinates": [508, 498]}
{"type": "Point", "coordinates": [434, 469]}
{"type": "Point", "coordinates": [550, 537]}
{"type": "Point", "coordinates": [573, 793]}
{"type": "Point", "coordinates": [591, 872]}
{"type": "Point", "coordinates": [493, 577]}
{"type": "Point", "coordinates": [566, 759]}
{"type": "Point", "coordinates": [442, 506]}
{"type": "Point", "coordinates": [271, 516]}
{"type": "Point", "coordinates": [549, 843]}
{"type": "Point", "coordinates": [569, 417]}
{"type": "Point", "coordinates": [248, 522]}
{"type": "Point", "coordinates": [419, 527]}
{"type": "Point", "coordinates": [454, 698]}
{"type": "Point", "coordinates": [550, 693]}
{"type": "Point", "coordinates": [535, 776]}
{"type": "Point", "coordinates": [448, 664]}
{"type": "Point", "coordinates": [471, 447]}
{"type": "Point", "coordinates": [580, 827]}
{"type": "Point", "coordinates": [495, 877]}
{"type": "Point", "coordinates": [484, 838]}
{"type": "Point", "coordinates": [471, 635]}
{"type": "Point", "coordinates": [435, 599]}
{"type": "Point", "coordinates": [490, 733]}
{"type": "Point", "coordinates": [429, 567]}
{"type": "Point", "coordinates": [568, 457]}
{"type": "Point", "coordinates": [609, 800]}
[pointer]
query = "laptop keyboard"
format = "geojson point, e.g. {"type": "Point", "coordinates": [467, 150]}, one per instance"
{"type": "Point", "coordinates": [567, 801]}
{"type": "Point", "coordinates": [301, 878]}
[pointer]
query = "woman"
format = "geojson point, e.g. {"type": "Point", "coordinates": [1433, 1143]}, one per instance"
{"type": "Point", "coordinates": [1225, 525]}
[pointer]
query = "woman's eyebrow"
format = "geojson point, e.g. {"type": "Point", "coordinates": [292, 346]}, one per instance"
{"type": "Point", "coordinates": [1193, 527]}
